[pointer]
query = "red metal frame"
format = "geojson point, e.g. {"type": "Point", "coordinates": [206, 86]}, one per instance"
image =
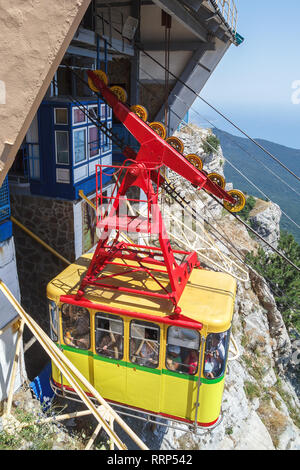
{"type": "Point", "coordinates": [179, 319]}
{"type": "Point", "coordinates": [141, 170]}
{"type": "Point", "coordinates": [155, 151]}
{"type": "Point", "coordinates": [153, 261]}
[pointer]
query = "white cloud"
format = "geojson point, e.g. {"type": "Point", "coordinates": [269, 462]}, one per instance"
{"type": "Point", "coordinates": [296, 93]}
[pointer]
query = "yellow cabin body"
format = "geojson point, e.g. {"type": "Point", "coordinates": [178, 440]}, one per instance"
{"type": "Point", "coordinates": [139, 355]}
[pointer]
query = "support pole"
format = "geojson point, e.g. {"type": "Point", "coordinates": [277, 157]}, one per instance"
{"type": "Point", "coordinates": [93, 437]}
{"type": "Point", "coordinates": [14, 368]}
{"type": "Point", "coordinates": [76, 380]}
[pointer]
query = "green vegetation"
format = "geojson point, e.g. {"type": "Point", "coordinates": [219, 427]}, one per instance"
{"type": "Point", "coordinates": [293, 412]}
{"type": "Point", "coordinates": [251, 390]}
{"type": "Point", "coordinates": [211, 142]}
{"type": "Point", "coordinates": [229, 431]}
{"type": "Point", "coordinates": [284, 278]}
{"type": "Point", "coordinates": [26, 430]}
{"type": "Point", "coordinates": [250, 204]}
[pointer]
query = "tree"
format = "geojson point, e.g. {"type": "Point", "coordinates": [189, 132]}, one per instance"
{"type": "Point", "coordinates": [284, 279]}
{"type": "Point", "coordinates": [211, 144]}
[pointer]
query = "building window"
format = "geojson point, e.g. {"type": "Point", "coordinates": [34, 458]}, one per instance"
{"type": "Point", "coordinates": [103, 112]}
{"type": "Point", "coordinates": [94, 148]}
{"type": "Point", "coordinates": [4, 201]}
{"type": "Point", "coordinates": [79, 117]}
{"type": "Point", "coordinates": [93, 113]}
{"type": "Point", "coordinates": [62, 147]}
{"type": "Point", "coordinates": [109, 332]}
{"type": "Point", "coordinates": [144, 343]}
{"type": "Point", "coordinates": [33, 151]}
{"type": "Point", "coordinates": [61, 116]}
{"type": "Point", "coordinates": [216, 351]}
{"type": "Point", "coordinates": [76, 326]}
{"type": "Point", "coordinates": [79, 145]}
{"type": "Point", "coordinates": [182, 350]}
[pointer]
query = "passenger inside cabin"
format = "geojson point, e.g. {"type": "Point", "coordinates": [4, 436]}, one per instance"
{"type": "Point", "coordinates": [214, 355]}
{"type": "Point", "coordinates": [76, 326]}
{"type": "Point", "coordinates": [192, 362]}
{"type": "Point", "coordinates": [210, 365]}
{"type": "Point", "coordinates": [182, 350]}
{"type": "Point", "coordinates": [109, 336]}
{"type": "Point", "coordinates": [174, 359]}
{"type": "Point", "coordinates": [110, 345]}
{"type": "Point", "coordinates": [147, 352]}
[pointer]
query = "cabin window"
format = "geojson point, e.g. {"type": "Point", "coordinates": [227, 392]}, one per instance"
{"type": "Point", "coordinates": [144, 343]}
{"type": "Point", "coordinates": [182, 350]}
{"type": "Point", "coordinates": [76, 326]}
{"type": "Point", "coordinates": [216, 351]}
{"type": "Point", "coordinates": [53, 312]}
{"type": "Point", "coordinates": [109, 333]}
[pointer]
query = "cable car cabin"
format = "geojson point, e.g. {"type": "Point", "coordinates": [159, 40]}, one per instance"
{"type": "Point", "coordinates": [136, 353]}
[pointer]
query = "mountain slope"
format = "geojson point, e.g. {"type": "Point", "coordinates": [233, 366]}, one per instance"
{"type": "Point", "coordinates": [253, 163]}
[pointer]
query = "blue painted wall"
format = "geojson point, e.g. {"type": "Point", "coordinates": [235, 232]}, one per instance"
{"type": "Point", "coordinates": [48, 185]}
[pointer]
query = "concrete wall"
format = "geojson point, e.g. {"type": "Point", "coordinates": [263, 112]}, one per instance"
{"type": "Point", "coordinates": [8, 273]}
{"type": "Point", "coordinates": [34, 36]}
{"type": "Point", "coordinates": [53, 221]}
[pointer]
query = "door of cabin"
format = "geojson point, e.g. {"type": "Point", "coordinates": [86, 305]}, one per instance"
{"type": "Point", "coordinates": [180, 373]}
{"type": "Point", "coordinates": [144, 365]}
{"type": "Point", "coordinates": [109, 363]}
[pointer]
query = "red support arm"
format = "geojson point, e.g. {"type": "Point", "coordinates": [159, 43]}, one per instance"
{"type": "Point", "coordinates": [155, 151]}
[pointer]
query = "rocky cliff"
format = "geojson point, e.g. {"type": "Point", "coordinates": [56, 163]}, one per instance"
{"type": "Point", "coordinates": [261, 404]}
{"type": "Point", "coordinates": [260, 407]}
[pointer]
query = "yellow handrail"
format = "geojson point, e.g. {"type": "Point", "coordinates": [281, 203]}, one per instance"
{"type": "Point", "coordinates": [83, 196]}
{"type": "Point", "coordinates": [74, 377]}
{"type": "Point", "coordinates": [39, 240]}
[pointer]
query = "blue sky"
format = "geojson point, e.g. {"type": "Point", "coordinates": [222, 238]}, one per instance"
{"type": "Point", "coordinates": [252, 85]}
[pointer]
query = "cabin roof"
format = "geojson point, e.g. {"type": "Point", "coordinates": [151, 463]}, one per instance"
{"type": "Point", "coordinates": [208, 297]}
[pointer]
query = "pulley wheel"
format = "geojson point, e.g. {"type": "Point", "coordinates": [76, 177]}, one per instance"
{"type": "Point", "coordinates": [240, 201]}
{"type": "Point", "coordinates": [195, 160]}
{"type": "Point", "coordinates": [159, 128]}
{"type": "Point", "coordinates": [102, 75]}
{"type": "Point", "coordinates": [140, 111]}
{"type": "Point", "coordinates": [119, 92]}
{"type": "Point", "coordinates": [217, 179]}
{"type": "Point", "coordinates": [176, 143]}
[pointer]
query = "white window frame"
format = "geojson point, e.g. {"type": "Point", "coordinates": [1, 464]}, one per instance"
{"type": "Point", "coordinates": [102, 105]}
{"type": "Point", "coordinates": [86, 146]}
{"type": "Point", "coordinates": [93, 106]}
{"type": "Point", "coordinates": [99, 143]}
{"type": "Point", "coordinates": [55, 134]}
{"type": "Point", "coordinates": [78, 123]}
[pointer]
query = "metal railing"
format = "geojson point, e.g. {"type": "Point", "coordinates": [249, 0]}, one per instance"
{"type": "Point", "coordinates": [4, 201]}
{"type": "Point", "coordinates": [29, 166]}
{"type": "Point", "coordinates": [229, 12]}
